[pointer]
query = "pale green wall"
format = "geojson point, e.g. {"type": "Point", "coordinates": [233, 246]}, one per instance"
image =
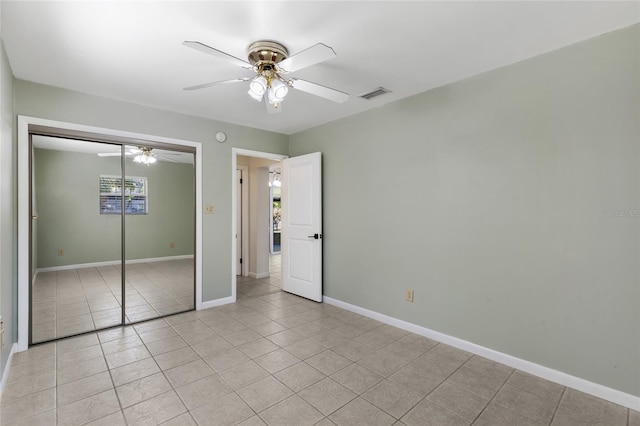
{"type": "Point", "coordinates": [67, 196]}
{"type": "Point", "coordinates": [8, 198]}
{"type": "Point", "coordinates": [64, 105]}
{"type": "Point", "coordinates": [490, 197]}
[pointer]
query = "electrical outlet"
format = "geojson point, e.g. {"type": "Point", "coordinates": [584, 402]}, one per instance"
{"type": "Point", "coordinates": [408, 295]}
{"type": "Point", "coordinates": [60, 252]}
{"type": "Point", "coordinates": [208, 209]}
{"type": "Point", "coordinates": [172, 245]}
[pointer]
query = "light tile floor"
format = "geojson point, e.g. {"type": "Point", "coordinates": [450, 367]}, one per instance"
{"type": "Point", "coordinates": [79, 300]}
{"type": "Point", "coordinates": [276, 359]}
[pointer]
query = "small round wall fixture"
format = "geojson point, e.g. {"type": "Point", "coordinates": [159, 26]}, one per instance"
{"type": "Point", "coordinates": [221, 137]}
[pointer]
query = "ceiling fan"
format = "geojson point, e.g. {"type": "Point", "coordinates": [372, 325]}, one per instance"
{"type": "Point", "coordinates": [143, 155]}
{"type": "Point", "coordinates": [271, 63]}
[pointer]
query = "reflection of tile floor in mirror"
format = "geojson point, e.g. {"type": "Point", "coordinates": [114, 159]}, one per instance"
{"type": "Point", "coordinates": [79, 300]}
{"type": "Point", "coordinates": [276, 359]}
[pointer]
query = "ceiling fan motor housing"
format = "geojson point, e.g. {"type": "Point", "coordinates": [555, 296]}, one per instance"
{"type": "Point", "coordinates": [266, 53]}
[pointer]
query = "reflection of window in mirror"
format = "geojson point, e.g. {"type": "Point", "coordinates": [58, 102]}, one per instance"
{"type": "Point", "coordinates": [135, 195]}
{"type": "Point", "coordinates": [276, 191]}
{"type": "Point", "coordinates": [277, 217]}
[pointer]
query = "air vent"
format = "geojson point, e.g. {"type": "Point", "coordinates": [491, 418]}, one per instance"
{"type": "Point", "coordinates": [374, 94]}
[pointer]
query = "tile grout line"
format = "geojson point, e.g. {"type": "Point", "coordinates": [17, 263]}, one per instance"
{"type": "Point", "coordinates": [440, 384]}
{"type": "Point", "coordinates": [111, 378]}
{"type": "Point", "coordinates": [161, 371]}
{"type": "Point", "coordinates": [564, 390]}
{"type": "Point", "coordinates": [494, 395]}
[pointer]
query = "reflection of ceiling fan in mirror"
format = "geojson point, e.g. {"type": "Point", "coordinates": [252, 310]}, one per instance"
{"type": "Point", "coordinates": [142, 155]}
{"type": "Point", "coordinates": [271, 62]}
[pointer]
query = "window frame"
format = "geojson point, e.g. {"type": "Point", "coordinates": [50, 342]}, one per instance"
{"type": "Point", "coordinates": [118, 194]}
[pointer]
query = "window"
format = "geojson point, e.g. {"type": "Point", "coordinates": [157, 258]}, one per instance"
{"type": "Point", "coordinates": [135, 195]}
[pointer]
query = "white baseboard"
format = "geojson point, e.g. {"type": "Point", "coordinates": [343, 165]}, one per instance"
{"type": "Point", "coordinates": [564, 379]}
{"type": "Point", "coordinates": [7, 367]}
{"type": "Point", "coordinates": [261, 275]}
{"type": "Point", "coordinates": [112, 262]}
{"type": "Point", "coordinates": [217, 302]}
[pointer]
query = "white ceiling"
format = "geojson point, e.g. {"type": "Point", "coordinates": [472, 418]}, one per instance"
{"type": "Point", "coordinates": [132, 51]}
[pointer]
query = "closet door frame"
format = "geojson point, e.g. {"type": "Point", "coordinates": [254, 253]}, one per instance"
{"type": "Point", "coordinates": [33, 125]}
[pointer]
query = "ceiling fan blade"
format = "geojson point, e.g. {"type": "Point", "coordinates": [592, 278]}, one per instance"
{"type": "Point", "coordinates": [162, 157]}
{"type": "Point", "coordinates": [129, 151]}
{"type": "Point", "coordinates": [319, 90]}
{"type": "Point", "coordinates": [216, 83]}
{"type": "Point", "coordinates": [310, 56]}
{"type": "Point", "coordinates": [271, 108]}
{"type": "Point", "coordinates": [216, 53]}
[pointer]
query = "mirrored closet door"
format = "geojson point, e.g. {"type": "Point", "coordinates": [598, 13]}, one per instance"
{"type": "Point", "coordinates": [112, 234]}
{"type": "Point", "coordinates": [159, 234]}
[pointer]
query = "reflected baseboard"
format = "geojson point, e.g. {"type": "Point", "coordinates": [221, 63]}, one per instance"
{"type": "Point", "coordinates": [112, 263]}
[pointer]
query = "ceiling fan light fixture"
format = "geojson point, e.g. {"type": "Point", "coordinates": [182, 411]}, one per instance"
{"type": "Point", "coordinates": [255, 96]}
{"type": "Point", "coordinates": [277, 91]}
{"type": "Point", "coordinates": [257, 87]}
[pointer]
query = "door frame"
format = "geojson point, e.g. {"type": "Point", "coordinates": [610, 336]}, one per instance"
{"type": "Point", "coordinates": [235, 152]}
{"type": "Point", "coordinates": [244, 234]}
{"type": "Point", "coordinates": [24, 215]}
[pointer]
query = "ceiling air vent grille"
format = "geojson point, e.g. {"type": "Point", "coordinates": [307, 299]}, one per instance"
{"type": "Point", "coordinates": [375, 93]}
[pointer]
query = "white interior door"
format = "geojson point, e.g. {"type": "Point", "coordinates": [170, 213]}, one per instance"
{"type": "Point", "coordinates": [301, 243]}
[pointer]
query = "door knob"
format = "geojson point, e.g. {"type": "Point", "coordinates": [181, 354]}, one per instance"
{"type": "Point", "coordinates": [315, 236]}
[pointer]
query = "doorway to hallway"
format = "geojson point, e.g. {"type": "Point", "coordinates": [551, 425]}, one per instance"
{"type": "Point", "coordinates": [256, 259]}
{"type": "Point", "coordinates": [301, 242]}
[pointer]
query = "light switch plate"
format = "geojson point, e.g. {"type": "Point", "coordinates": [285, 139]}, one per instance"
{"type": "Point", "coordinates": [408, 295]}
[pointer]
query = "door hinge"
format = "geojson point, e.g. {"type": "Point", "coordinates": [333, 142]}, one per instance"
{"type": "Point", "coordinates": [241, 261]}
{"type": "Point", "coordinates": [240, 181]}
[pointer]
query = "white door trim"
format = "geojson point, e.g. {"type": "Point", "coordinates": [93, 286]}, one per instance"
{"type": "Point", "coordinates": [234, 202]}
{"type": "Point", "coordinates": [24, 215]}
{"type": "Point", "coordinates": [245, 220]}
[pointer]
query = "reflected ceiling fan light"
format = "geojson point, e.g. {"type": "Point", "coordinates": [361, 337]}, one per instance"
{"type": "Point", "coordinates": [257, 87]}
{"type": "Point", "coordinates": [276, 182]}
{"type": "Point", "coordinates": [274, 179]}
{"type": "Point", "coordinates": [145, 158]}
